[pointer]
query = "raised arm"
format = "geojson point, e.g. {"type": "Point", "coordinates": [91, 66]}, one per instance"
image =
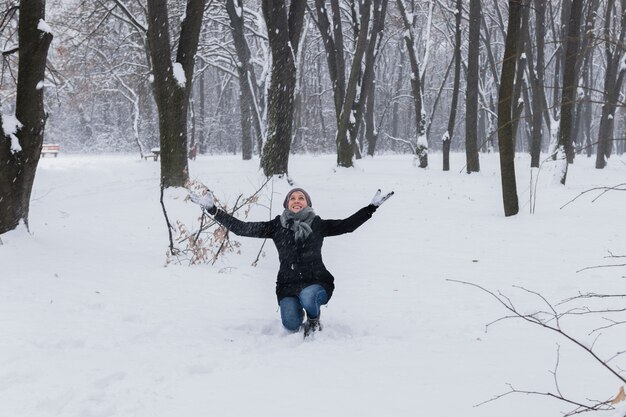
{"type": "Point", "coordinates": [238, 227]}
{"type": "Point", "coordinates": [347, 225]}
{"type": "Point", "coordinates": [241, 228]}
{"type": "Point", "coordinates": [350, 224]}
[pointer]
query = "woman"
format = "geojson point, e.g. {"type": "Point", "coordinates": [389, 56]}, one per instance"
{"type": "Point", "coordinates": [303, 281]}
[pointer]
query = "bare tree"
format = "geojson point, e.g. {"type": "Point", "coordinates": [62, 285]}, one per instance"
{"type": "Point", "coordinates": [570, 85]}
{"type": "Point", "coordinates": [250, 114]}
{"type": "Point", "coordinates": [471, 92]}
{"type": "Point", "coordinates": [20, 151]}
{"type": "Point", "coordinates": [421, 149]}
{"type": "Point", "coordinates": [447, 138]}
{"type": "Point", "coordinates": [283, 29]}
{"type": "Point", "coordinates": [506, 133]}
{"type": "Point", "coordinates": [614, 78]}
{"type": "Point", "coordinates": [351, 94]}
{"type": "Point", "coordinates": [172, 84]}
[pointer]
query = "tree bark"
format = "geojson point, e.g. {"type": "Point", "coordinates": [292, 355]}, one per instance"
{"type": "Point", "coordinates": [250, 119]}
{"type": "Point", "coordinates": [371, 131]}
{"type": "Point", "coordinates": [471, 92]}
{"type": "Point", "coordinates": [18, 167]}
{"type": "Point", "coordinates": [421, 149]}
{"type": "Point", "coordinates": [506, 133]}
{"type": "Point", "coordinates": [570, 84]}
{"type": "Point", "coordinates": [349, 106]}
{"type": "Point", "coordinates": [283, 31]}
{"type": "Point", "coordinates": [172, 98]}
{"type": "Point", "coordinates": [614, 78]}
{"type": "Point", "coordinates": [537, 82]}
{"type": "Point", "coordinates": [447, 140]}
{"type": "Point", "coordinates": [367, 81]}
{"type": "Point", "coordinates": [345, 149]}
{"type": "Point", "coordinates": [395, 110]}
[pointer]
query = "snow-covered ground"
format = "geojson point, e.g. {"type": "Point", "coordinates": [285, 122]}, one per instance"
{"type": "Point", "coordinates": [93, 324]}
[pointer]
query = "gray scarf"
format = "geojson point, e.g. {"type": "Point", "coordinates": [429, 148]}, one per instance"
{"type": "Point", "coordinates": [299, 222]}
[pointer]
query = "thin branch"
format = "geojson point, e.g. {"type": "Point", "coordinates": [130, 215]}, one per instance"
{"type": "Point", "coordinates": [534, 320]}
{"type": "Point", "coordinates": [604, 191]}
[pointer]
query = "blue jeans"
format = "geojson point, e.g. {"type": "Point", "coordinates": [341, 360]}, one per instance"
{"type": "Point", "coordinates": [310, 299]}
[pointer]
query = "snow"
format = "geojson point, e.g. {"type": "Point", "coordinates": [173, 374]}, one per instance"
{"type": "Point", "coordinates": [422, 141]}
{"type": "Point", "coordinates": [10, 126]}
{"type": "Point", "coordinates": [93, 324]}
{"type": "Point", "coordinates": [179, 74]}
{"type": "Point", "coordinates": [43, 26]}
{"type": "Point", "coordinates": [40, 85]}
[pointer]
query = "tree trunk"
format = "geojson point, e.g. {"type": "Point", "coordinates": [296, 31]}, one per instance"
{"type": "Point", "coordinates": [398, 87]}
{"type": "Point", "coordinates": [505, 110]}
{"type": "Point", "coordinates": [367, 82]}
{"type": "Point", "coordinates": [345, 149]}
{"type": "Point", "coordinates": [447, 140]}
{"type": "Point", "coordinates": [570, 84]}
{"type": "Point", "coordinates": [284, 35]}
{"type": "Point", "coordinates": [371, 131]}
{"type": "Point", "coordinates": [250, 119]}
{"type": "Point", "coordinates": [19, 154]}
{"type": "Point", "coordinates": [349, 106]}
{"type": "Point", "coordinates": [421, 149]}
{"type": "Point", "coordinates": [170, 91]}
{"type": "Point", "coordinates": [201, 115]}
{"type": "Point", "coordinates": [536, 70]}
{"type": "Point", "coordinates": [333, 44]}
{"type": "Point", "coordinates": [613, 81]}
{"type": "Point", "coordinates": [471, 92]}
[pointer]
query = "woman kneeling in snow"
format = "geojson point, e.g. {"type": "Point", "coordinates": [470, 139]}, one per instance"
{"type": "Point", "coordinates": [303, 280]}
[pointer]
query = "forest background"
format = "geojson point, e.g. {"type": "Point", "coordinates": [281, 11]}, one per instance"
{"type": "Point", "coordinates": [426, 76]}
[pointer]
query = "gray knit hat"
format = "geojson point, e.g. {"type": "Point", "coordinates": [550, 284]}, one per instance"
{"type": "Point", "coordinates": [306, 196]}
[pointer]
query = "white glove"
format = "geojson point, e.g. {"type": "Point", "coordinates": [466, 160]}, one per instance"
{"type": "Point", "coordinates": [206, 201]}
{"type": "Point", "coordinates": [379, 199]}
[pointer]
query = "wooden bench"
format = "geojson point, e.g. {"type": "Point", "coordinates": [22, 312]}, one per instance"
{"type": "Point", "coordinates": [155, 154]}
{"type": "Point", "coordinates": [50, 148]}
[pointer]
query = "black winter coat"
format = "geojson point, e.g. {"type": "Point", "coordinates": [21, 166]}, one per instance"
{"type": "Point", "coordinates": [300, 262]}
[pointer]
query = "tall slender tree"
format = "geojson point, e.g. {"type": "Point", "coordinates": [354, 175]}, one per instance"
{"type": "Point", "coordinates": [613, 80]}
{"type": "Point", "coordinates": [350, 94]}
{"type": "Point", "coordinates": [283, 30]}
{"type": "Point", "coordinates": [447, 138]}
{"type": "Point", "coordinates": [421, 149]}
{"type": "Point", "coordinates": [20, 150]}
{"type": "Point", "coordinates": [570, 86]}
{"type": "Point", "coordinates": [536, 69]}
{"type": "Point", "coordinates": [471, 92]}
{"type": "Point", "coordinates": [250, 115]}
{"type": "Point", "coordinates": [506, 133]}
{"type": "Point", "coordinates": [172, 84]}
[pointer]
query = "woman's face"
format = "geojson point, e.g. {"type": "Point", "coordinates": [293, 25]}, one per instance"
{"type": "Point", "coordinates": [297, 201]}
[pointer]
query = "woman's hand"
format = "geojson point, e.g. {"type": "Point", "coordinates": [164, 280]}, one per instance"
{"type": "Point", "coordinates": [206, 201]}
{"type": "Point", "coordinates": [379, 199]}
